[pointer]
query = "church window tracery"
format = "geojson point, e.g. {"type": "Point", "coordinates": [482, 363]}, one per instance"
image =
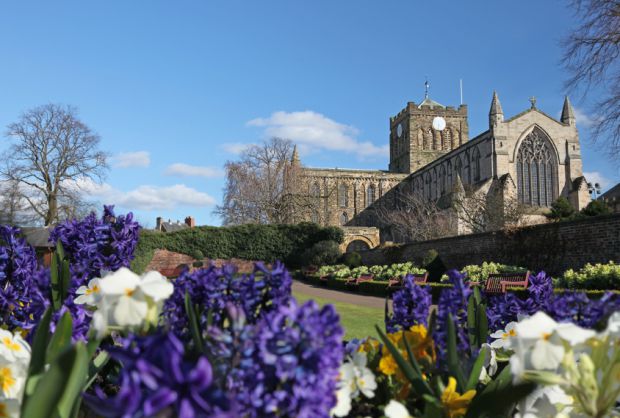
{"type": "Point", "coordinates": [536, 170]}
{"type": "Point", "coordinates": [370, 194]}
{"type": "Point", "coordinates": [343, 196]}
{"type": "Point", "coordinates": [476, 164]}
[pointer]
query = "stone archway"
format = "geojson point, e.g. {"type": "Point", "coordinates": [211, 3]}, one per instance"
{"type": "Point", "coordinates": [356, 237]}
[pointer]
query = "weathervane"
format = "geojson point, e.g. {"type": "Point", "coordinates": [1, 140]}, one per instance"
{"type": "Point", "coordinates": [426, 85]}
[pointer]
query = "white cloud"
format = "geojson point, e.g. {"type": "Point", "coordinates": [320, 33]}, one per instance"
{"type": "Point", "coordinates": [316, 131]}
{"type": "Point", "coordinates": [146, 197]}
{"type": "Point", "coordinates": [583, 119]}
{"type": "Point", "coordinates": [235, 147]}
{"type": "Point", "coordinates": [132, 159]}
{"type": "Point", "coordinates": [596, 177]}
{"type": "Point", "coordinates": [180, 169]}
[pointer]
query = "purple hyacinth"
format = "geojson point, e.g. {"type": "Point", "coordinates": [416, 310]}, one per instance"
{"type": "Point", "coordinates": [23, 284]}
{"type": "Point", "coordinates": [576, 307]}
{"type": "Point", "coordinates": [158, 378]}
{"type": "Point", "coordinates": [289, 362]}
{"type": "Point", "coordinates": [97, 244]}
{"type": "Point", "coordinates": [211, 289]}
{"type": "Point", "coordinates": [410, 306]}
{"type": "Point", "coordinates": [453, 301]}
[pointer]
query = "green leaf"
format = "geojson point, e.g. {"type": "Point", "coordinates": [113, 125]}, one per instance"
{"type": "Point", "coordinates": [39, 344]}
{"type": "Point", "coordinates": [65, 280]}
{"type": "Point", "coordinates": [471, 322]}
{"type": "Point", "coordinates": [60, 251]}
{"type": "Point", "coordinates": [416, 379]}
{"type": "Point", "coordinates": [75, 383]}
{"type": "Point", "coordinates": [95, 367]}
{"type": "Point", "coordinates": [193, 324]}
{"type": "Point", "coordinates": [51, 386]}
{"type": "Point", "coordinates": [432, 407]}
{"type": "Point", "coordinates": [55, 282]}
{"type": "Point", "coordinates": [498, 399]}
{"type": "Point", "coordinates": [61, 339]}
{"type": "Point", "coordinates": [482, 324]}
{"type": "Point", "coordinates": [454, 365]}
{"type": "Point", "coordinates": [474, 376]}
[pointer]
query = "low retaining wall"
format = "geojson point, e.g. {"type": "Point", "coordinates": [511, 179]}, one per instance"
{"type": "Point", "coordinates": [553, 247]}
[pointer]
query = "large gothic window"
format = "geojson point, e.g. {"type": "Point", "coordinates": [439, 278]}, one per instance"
{"type": "Point", "coordinates": [370, 195]}
{"type": "Point", "coordinates": [536, 170]}
{"type": "Point", "coordinates": [343, 196]}
{"type": "Point", "coordinates": [475, 161]}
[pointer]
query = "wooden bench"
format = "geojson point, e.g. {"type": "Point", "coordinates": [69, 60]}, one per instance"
{"type": "Point", "coordinates": [499, 282]}
{"type": "Point", "coordinates": [355, 281]}
{"type": "Point", "coordinates": [309, 271]}
{"type": "Point", "coordinates": [397, 282]}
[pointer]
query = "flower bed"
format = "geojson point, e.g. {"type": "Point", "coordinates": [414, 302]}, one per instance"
{"type": "Point", "coordinates": [89, 336]}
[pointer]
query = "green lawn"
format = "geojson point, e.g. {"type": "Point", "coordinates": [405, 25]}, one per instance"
{"type": "Point", "coordinates": [358, 321]}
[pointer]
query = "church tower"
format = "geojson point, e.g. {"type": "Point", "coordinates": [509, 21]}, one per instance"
{"type": "Point", "coordinates": [421, 133]}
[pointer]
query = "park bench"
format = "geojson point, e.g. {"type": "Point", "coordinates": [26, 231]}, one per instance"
{"type": "Point", "coordinates": [397, 282]}
{"type": "Point", "coordinates": [355, 281]}
{"type": "Point", "coordinates": [309, 271]}
{"type": "Point", "coordinates": [499, 282]}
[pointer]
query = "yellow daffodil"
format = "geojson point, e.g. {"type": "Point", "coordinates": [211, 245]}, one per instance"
{"type": "Point", "coordinates": [368, 346]}
{"type": "Point", "coordinates": [455, 404]}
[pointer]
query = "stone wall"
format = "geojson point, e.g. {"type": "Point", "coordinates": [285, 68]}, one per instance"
{"type": "Point", "coordinates": [553, 247]}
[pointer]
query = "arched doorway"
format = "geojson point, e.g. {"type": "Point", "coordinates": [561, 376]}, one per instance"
{"type": "Point", "coordinates": [357, 245]}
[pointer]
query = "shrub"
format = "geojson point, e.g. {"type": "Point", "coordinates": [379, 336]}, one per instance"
{"type": "Point", "coordinates": [592, 276]}
{"type": "Point", "coordinates": [323, 252]}
{"type": "Point", "coordinates": [286, 243]}
{"type": "Point", "coordinates": [596, 208]}
{"type": "Point", "coordinates": [561, 209]}
{"type": "Point", "coordinates": [352, 259]}
{"type": "Point", "coordinates": [479, 272]}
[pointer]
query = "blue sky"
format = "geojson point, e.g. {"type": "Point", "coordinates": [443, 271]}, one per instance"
{"type": "Point", "coordinates": [174, 89]}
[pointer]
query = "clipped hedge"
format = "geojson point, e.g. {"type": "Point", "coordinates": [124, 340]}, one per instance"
{"type": "Point", "coordinates": [268, 243]}
{"type": "Point", "coordinates": [591, 276]}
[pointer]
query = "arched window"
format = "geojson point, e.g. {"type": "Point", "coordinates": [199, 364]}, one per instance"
{"type": "Point", "coordinates": [475, 160]}
{"type": "Point", "coordinates": [427, 186]}
{"type": "Point", "coordinates": [420, 140]}
{"type": "Point", "coordinates": [343, 196]}
{"type": "Point", "coordinates": [447, 138]}
{"type": "Point", "coordinates": [458, 168]}
{"type": "Point", "coordinates": [434, 184]}
{"type": "Point", "coordinates": [315, 216]}
{"type": "Point", "coordinates": [466, 168]}
{"type": "Point", "coordinates": [344, 218]}
{"type": "Point", "coordinates": [370, 194]}
{"type": "Point", "coordinates": [449, 179]}
{"type": "Point", "coordinates": [536, 170]}
{"type": "Point", "coordinates": [442, 180]}
{"type": "Point", "coordinates": [428, 139]}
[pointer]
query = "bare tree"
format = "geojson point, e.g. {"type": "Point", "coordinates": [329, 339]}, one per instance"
{"type": "Point", "coordinates": [14, 209]}
{"type": "Point", "coordinates": [52, 152]}
{"type": "Point", "coordinates": [414, 218]}
{"type": "Point", "coordinates": [591, 54]}
{"type": "Point", "coordinates": [263, 187]}
{"type": "Point", "coordinates": [482, 211]}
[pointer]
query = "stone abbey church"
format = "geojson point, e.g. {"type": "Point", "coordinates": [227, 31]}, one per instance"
{"type": "Point", "coordinates": [531, 158]}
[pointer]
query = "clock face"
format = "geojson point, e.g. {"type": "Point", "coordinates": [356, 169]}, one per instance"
{"type": "Point", "coordinates": [439, 123]}
{"type": "Point", "coordinates": [399, 130]}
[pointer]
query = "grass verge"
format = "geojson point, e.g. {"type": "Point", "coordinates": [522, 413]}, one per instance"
{"type": "Point", "coordinates": [357, 321]}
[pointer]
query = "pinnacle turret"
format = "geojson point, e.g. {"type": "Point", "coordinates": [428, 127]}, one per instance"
{"type": "Point", "coordinates": [496, 114]}
{"type": "Point", "coordinates": [295, 157]}
{"type": "Point", "coordinates": [568, 115]}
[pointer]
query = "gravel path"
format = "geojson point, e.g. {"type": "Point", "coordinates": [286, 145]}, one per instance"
{"type": "Point", "coordinates": [339, 296]}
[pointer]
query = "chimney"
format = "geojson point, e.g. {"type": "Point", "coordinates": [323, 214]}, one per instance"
{"type": "Point", "coordinates": [158, 223]}
{"type": "Point", "coordinates": [190, 221]}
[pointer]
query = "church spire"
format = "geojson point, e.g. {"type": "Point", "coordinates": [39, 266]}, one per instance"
{"type": "Point", "coordinates": [496, 114]}
{"type": "Point", "coordinates": [295, 157]}
{"type": "Point", "coordinates": [568, 116]}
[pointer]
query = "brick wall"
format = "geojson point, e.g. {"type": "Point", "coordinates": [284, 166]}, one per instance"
{"type": "Point", "coordinates": [552, 247]}
{"type": "Point", "coordinates": [170, 263]}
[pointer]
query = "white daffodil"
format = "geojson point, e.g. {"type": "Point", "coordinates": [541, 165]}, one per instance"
{"type": "Point", "coordinates": [503, 337]}
{"type": "Point", "coordinates": [613, 326]}
{"type": "Point", "coordinates": [9, 408]}
{"type": "Point", "coordinates": [90, 294]}
{"type": "Point", "coordinates": [343, 402]}
{"type": "Point", "coordinates": [12, 378]}
{"type": "Point", "coordinates": [14, 348]}
{"type": "Point", "coordinates": [357, 376]}
{"type": "Point", "coordinates": [128, 300]}
{"type": "Point", "coordinates": [395, 409]}
{"type": "Point", "coordinates": [490, 363]}
{"type": "Point", "coordinates": [544, 402]}
{"type": "Point", "coordinates": [535, 333]}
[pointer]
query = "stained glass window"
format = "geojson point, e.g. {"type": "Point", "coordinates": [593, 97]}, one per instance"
{"type": "Point", "coordinates": [536, 170]}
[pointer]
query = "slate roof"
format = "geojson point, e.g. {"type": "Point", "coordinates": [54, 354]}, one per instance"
{"type": "Point", "coordinates": [37, 237]}
{"type": "Point", "coordinates": [173, 226]}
